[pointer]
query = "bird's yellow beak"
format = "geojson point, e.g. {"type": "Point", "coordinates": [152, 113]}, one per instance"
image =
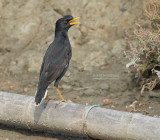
{"type": "Point", "coordinates": [73, 23]}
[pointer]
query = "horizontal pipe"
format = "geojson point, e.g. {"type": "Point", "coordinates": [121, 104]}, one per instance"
{"type": "Point", "coordinates": [76, 119]}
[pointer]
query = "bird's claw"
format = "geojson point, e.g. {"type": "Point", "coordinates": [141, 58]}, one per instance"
{"type": "Point", "coordinates": [58, 102]}
{"type": "Point", "coordinates": [68, 101]}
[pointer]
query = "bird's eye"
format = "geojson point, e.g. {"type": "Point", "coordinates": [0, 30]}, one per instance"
{"type": "Point", "coordinates": [65, 22]}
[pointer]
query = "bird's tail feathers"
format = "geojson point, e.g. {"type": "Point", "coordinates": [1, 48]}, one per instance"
{"type": "Point", "coordinates": [40, 95]}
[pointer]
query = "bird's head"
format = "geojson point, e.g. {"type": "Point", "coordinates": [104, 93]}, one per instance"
{"type": "Point", "coordinates": [63, 24]}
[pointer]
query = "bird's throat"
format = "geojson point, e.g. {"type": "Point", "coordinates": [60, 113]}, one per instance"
{"type": "Point", "coordinates": [61, 34]}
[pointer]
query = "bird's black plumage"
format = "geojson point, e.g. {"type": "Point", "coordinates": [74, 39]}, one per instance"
{"type": "Point", "coordinates": [56, 60]}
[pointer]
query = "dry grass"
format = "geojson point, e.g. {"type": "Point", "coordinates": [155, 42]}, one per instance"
{"type": "Point", "coordinates": [144, 48]}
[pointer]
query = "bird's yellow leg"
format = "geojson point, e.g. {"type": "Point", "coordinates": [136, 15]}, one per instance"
{"type": "Point", "coordinates": [48, 98]}
{"type": "Point", "coordinates": [62, 99]}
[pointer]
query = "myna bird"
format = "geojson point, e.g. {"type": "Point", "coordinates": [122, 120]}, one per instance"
{"type": "Point", "coordinates": [56, 59]}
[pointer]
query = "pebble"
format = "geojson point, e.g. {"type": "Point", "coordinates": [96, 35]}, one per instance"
{"type": "Point", "coordinates": [112, 106]}
{"type": "Point", "coordinates": [25, 89]}
{"type": "Point", "coordinates": [89, 92]}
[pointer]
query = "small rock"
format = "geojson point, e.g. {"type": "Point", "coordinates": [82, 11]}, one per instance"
{"type": "Point", "coordinates": [112, 106]}
{"type": "Point", "coordinates": [107, 101]}
{"type": "Point", "coordinates": [104, 86]}
{"type": "Point", "coordinates": [89, 92]}
{"type": "Point", "coordinates": [25, 89]}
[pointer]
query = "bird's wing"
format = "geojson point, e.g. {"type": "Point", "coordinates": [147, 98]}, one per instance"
{"type": "Point", "coordinates": [52, 71]}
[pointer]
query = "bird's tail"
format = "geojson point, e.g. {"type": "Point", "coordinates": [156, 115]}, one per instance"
{"type": "Point", "coordinates": [40, 95]}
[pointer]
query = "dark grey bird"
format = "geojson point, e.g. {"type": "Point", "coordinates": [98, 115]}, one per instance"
{"type": "Point", "coordinates": [56, 59]}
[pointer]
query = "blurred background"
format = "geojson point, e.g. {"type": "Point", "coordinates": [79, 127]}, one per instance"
{"type": "Point", "coordinates": [97, 72]}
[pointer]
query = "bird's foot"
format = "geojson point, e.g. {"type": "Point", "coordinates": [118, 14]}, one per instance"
{"type": "Point", "coordinates": [48, 98]}
{"type": "Point", "coordinates": [60, 101]}
{"type": "Point", "coordinates": [63, 100]}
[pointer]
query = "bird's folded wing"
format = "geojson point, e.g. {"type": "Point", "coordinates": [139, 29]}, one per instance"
{"type": "Point", "coordinates": [53, 71]}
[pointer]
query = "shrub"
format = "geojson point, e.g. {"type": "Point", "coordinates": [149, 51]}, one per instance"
{"type": "Point", "coordinates": [144, 48]}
